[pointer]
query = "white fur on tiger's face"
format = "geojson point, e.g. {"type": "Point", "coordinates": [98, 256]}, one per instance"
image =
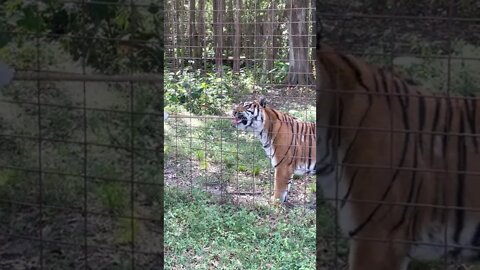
{"type": "Point", "coordinates": [248, 117]}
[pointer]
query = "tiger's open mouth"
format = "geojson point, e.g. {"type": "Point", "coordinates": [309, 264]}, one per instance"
{"type": "Point", "coordinates": [235, 121]}
{"type": "Point", "coordinates": [238, 119]}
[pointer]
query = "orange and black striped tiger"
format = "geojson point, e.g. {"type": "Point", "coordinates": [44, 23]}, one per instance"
{"type": "Point", "coordinates": [287, 141]}
{"type": "Point", "coordinates": [399, 163]}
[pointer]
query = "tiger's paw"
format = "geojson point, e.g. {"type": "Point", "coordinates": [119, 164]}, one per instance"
{"type": "Point", "coordinates": [279, 198]}
{"type": "Point", "coordinates": [275, 201]}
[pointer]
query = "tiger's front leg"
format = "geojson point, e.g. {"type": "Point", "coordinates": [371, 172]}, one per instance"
{"type": "Point", "coordinates": [282, 184]}
{"type": "Point", "coordinates": [377, 255]}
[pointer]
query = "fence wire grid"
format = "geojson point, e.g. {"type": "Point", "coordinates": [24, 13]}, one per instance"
{"type": "Point", "coordinates": [82, 168]}
{"type": "Point", "coordinates": [81, 178]}
{"type": "Point", "coordinates": [236, 56]}
{"type": "Point", "coordinates": [219, 54]}
{"type": "Point", "coordinates": [432, 45]}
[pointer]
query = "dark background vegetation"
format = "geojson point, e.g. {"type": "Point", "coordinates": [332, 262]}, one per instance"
{"type": "Point", "coordinates": [434, 42]}
{"type": "Point", "coordinates": [69, 180]}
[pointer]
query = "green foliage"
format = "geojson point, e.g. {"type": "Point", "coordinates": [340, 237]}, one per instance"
{"type": "Point", "coordinates": [242, 168]}
{"type": "Point", "coordinates": [59, 190]}
{"type": "Point", "coordinates": [112, 26]}
{"type": "Point", "coordinates": [304, 113]}
{"type": "Point", "coordinates": [204, 93]}
{"type": "Point", "coordinates": [278, 74]}
{"type": "Point", "coordinates": [203, 165]}
{"type": "Point", "coordinates": [112, 196]}
{"type": "Point", "coordinates": [147, 105]}
{"type": "Point", "coordinates": [17, 186]}
{"type": "Point", "coordinates": [230, 162]}
{"type": "Point", "coordinates": [5, 176]}
{"type": "Point", "coordinates": [312, 188]}
{"type": "Point", "coordinates": [128, 229]}
{"type": "Point", "coordinates": [186, 89]}
{"type": "Point", "coordinates": [202, 159]}
{"type": "Point", "coordinates": [256, 171]}
{"type": "Point", "coordinates": [24, 54]}
{"type": "Point", "coordinates": [438, 74]}
{"type": "Point", "coordinates": [200, 154]}
{"type": "Point", "coordinates": [9, 180]}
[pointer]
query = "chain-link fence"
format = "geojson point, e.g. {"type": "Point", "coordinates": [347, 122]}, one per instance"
{"type": "Point", "coordinates": [219, 54]}
{"type": "Point", "coordinates": [208, 70]}
{"type": "Point", "coordinates": [405, 135]}
{"type": "Point", "coordinates": [80, 169]}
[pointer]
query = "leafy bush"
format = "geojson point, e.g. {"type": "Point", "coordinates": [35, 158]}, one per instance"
{"type": "Point", "coordinates": [205, 93]}
{"type": "Point", "coordinates": [279, 73]}
{"type": "Point", "coordinates": [432, 71]}
{"type": "Point", "coordinates": [65, 21]}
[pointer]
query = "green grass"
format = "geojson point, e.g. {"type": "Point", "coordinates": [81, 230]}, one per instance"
{"type": "Point", "coordinates": [200, 234]}
{"type": "Point", "coordinates": [305, 113]}
{"type": "Point", "coordinates": [113, 196]}
{"type": "Point", "coordinates": [127, 229]}
{"type": "Point", "coordinates": [215, 144]}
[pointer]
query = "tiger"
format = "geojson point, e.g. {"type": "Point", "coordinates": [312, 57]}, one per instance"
{"type": "Point", "coordinates": [288, 142]}
{"type": "Point", "coordinates": [399, 164]}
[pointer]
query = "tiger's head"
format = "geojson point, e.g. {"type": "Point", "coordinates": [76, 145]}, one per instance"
{"type": "Point", "coordinates": [249, 116]}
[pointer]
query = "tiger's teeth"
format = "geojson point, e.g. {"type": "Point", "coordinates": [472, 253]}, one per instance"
{"type": "Point", "coordinates": [235, 121]}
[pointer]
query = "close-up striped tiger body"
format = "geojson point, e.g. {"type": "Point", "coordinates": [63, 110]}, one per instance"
{"type": "Point", "coordinates": [399, 164]}
{"type": "Point", "coordinates": [288, 142]}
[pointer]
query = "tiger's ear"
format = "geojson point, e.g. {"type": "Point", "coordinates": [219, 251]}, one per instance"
{"type": "Point", "coordinates": [263, 101]}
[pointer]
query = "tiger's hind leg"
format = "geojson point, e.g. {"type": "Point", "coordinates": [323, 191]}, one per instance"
{"type": "Point", "coordinates": [282, 184]}
{"type": "Point", "coordinates": [378, 255]}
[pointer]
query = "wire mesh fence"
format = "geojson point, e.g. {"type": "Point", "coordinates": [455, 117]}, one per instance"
{"type": "Point", "coordinates": [81, 167]}
{"type": "Point", "coordinates": [81, 179]}
{"type": "Point", "coordinates": [405, 135]}
{"type": "Point", "coordinates": [239, 54]}
{"type": "Point", "coordinates": [218, 55]}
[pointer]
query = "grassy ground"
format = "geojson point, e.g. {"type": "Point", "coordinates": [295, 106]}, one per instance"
{"type": "Point", "coordinates": [202, 234]}
{"type": "Point", "coordinates": [217, 213]}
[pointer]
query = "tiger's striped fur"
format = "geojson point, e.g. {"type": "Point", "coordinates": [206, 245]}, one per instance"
{"type": "Point", "coordinates": [394, 142]}
{"type": "Point", "coordinates": [287, 141]}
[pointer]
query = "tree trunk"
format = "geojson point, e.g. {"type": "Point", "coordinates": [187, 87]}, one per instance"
{"type": "Point", "coordinates": [258, 41]}
{"type": "Point", "coordinates": [249, 32]}
{"type": "Point", "coordinates": [201, 29]}
{"type": "Point", "coordinates": [176, 34]}
{"type": "Point", "coordinates": [218, 9]}
{"type": "Point", "coordinates": [277, 41]}
{"type": "Point", "coordinates": [168, 28]}
{"type": "Point", "coordinates": [269, 38]}
{"type": "Point", "coordinates": [229, 27]}
{"type": "Point", "coordinates": [237, 41]}
{"type": "Point", "coordinates": [299, 68]}
{"type": "Point", "coordinates": [193, 39]}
